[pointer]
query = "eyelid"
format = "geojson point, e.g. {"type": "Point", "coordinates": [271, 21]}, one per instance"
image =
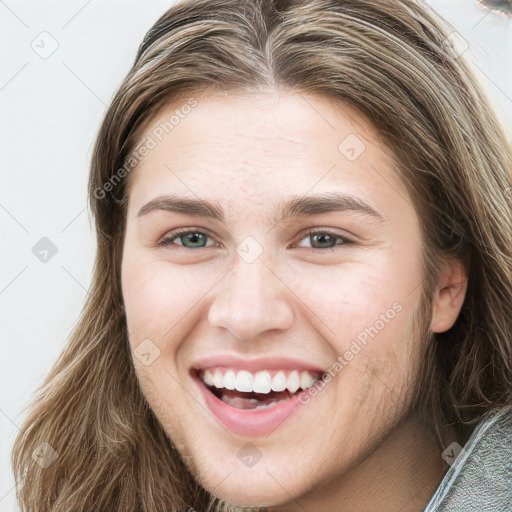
{"type": "Point", "coordinates": [324, 231]}
{"type": "Point", "coordinates": [176, 233]}
{"type": "Point", "coordinates": [166, 240]}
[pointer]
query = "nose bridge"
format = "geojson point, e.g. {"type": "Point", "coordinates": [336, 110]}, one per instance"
{"type": "Point", "coordinates": [251, 298]}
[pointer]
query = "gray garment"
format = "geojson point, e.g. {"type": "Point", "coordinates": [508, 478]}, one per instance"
{"type": "Point", "coordinates": [480, 477]}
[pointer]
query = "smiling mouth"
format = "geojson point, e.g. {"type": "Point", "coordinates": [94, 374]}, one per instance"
{"type": "Point", "coordinates": [260, 390]}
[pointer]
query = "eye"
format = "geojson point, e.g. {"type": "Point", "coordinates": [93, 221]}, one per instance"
{"type": "Point", "coordinates": [196, 239]}
{"type": "Point", "coordinates": [324, 239]}
{"type": "Point", "coordinates": [190, 239]}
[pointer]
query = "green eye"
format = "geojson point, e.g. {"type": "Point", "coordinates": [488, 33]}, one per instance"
{"type": "Point", "coordinates": [188, 239]}
{"type": "Point", "coordinates": [325, 239]}
{"type": "Point", "coordinates": [195, 239]}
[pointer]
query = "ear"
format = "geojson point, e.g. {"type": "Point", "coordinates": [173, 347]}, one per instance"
{"type": "Point", "coordinates": [449, 295]}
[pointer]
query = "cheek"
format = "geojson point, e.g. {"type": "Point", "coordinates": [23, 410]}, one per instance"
{"type": "Point", "coordinates": [374, 293]}
{"type": "Point", "coordinates": [157, 296]}
{"type": "Point", "coordinates": [367, 310]}
{"type": "Point", "coordinates": [158, 299]}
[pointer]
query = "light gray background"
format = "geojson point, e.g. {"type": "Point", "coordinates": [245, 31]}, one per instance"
{"type": "Point", "coordinates": [50, 109]}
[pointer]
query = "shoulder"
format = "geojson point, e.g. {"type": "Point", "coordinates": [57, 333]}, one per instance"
{"type": "Point", "coordinates": [480, 477]}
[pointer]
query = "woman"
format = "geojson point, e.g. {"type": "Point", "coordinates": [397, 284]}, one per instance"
{"type": "Point", "coordinates": [302, 292]}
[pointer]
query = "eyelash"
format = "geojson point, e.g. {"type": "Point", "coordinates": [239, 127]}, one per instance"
{"type": "Point", "coordinates": [170, 237]}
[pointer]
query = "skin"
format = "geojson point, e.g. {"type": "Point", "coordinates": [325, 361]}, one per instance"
{"type": "Point", "coordinates": [354, 447]}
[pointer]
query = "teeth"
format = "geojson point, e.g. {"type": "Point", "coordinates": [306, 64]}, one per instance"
{"type": "Point", "coordinates": [306, 380]}
{"type": "Point", "coordinates": [279, 381]}
{"type": "Point", "coordinates": [293, 382]}
{"type": "Point", "coordinates": [244, 381]}
{"type": "Point", "coordinates": [260, 382]}
{"type": "Point", "coordinates": [229, 379]}
{"type": "Point", "coordinates": [208, 377]}
{"type": "Point", "coordinates": [218, 379]}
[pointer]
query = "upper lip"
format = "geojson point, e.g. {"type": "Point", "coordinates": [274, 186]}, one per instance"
{"type": "Point", "coordinates": [256, 364]}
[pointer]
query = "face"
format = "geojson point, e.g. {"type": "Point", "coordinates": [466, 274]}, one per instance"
{"type": "Point", "coordinates": [271, 275]}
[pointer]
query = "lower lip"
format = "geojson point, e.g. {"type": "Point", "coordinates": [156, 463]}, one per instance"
{"type": "Point", "coordinates": [249, 422]}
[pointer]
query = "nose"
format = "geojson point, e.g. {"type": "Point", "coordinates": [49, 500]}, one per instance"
{"type": "Point", "coordinates": [251, 299]}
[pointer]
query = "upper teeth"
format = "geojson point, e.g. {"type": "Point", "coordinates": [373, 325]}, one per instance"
{"type": "Point", "coordinates": [259, 382]}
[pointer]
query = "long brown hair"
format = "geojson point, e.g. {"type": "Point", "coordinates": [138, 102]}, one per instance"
{"type": "Point", "coordinates": [392, 62]}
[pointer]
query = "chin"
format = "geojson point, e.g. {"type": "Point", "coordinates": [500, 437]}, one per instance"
{"type": "Point", "coordinates": [258, 495]}
{"type": "Point", "coordinates": [264, 487]}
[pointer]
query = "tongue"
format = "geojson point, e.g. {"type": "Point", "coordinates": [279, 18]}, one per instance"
{"type": "Point", "coordinates": [242, 400]}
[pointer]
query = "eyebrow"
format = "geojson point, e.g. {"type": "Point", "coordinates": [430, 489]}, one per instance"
{"type": "Point", "coordinates": [295, 206]}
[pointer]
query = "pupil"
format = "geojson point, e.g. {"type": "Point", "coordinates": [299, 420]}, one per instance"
{"type": "Point", "coordinates": [193, 237]}
{"type": "Point", "coordinates": [322, 238]}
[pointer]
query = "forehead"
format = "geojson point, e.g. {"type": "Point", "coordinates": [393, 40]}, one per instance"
{"type": "Point", "coordinates": [258, 146]}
